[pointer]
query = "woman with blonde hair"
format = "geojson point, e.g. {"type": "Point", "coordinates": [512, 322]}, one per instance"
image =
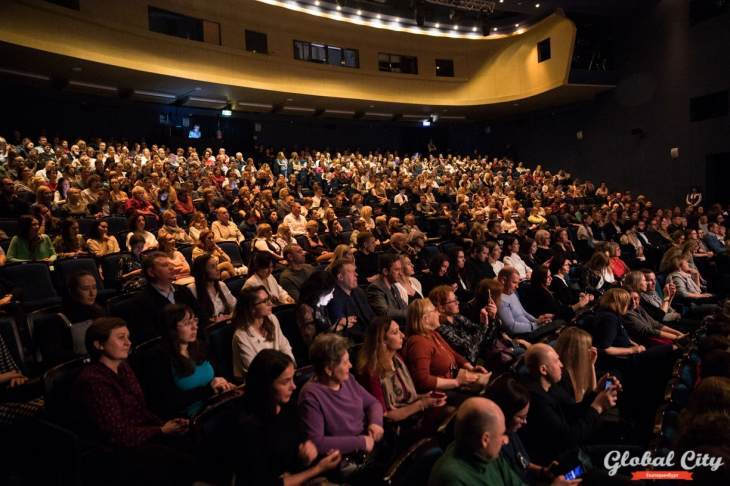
{"type": "Point", "coordinates": [342, 252]}
{"type": "Point", "coordinates": [264, 242]}
{"type": "Point", "coordinates": [198, 223]}
{"type": "Point", "coordinates": [207, 244]}
{"type": "Point", "coordinates": [433, 364]}
{"type": "Point", "coordinates": [284, 237]}
{"type": "Point", "coordinates": [578, 355]}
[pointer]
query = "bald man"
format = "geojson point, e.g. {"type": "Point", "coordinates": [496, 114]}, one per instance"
{"type": "Point", "coordinates": [555, 422]}
{"type": "Point", "coordinates": [474, 456]}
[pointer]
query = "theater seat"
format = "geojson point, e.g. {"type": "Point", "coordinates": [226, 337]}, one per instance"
{"type": "Point", "coordinates": [414, 465]}
{"type": "Point", "coordinates": [220, 338]}
{"type": "Point", "coordinates": [110, 269]}
{"type": "Point", "coordinates": [233, 252]}
{"type": "Point", "coordinates": [286, 314]}
{"type": "Point", "coordinates": [51, 335]}
{"type": "Point", "coordinates": [65, 268]}
{"type": "Point", "coordinates": [33, 279]}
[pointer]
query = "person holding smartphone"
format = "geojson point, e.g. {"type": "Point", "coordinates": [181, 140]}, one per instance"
{"type": "Point", "coordinates": [384, 374]}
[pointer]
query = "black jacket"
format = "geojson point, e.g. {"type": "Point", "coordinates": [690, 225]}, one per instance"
{"type": "Point", "coordinates": [555, 425]}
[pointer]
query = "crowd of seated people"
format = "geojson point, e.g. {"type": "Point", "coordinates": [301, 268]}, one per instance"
{"type": "Point", "coordinates": [427, 276]}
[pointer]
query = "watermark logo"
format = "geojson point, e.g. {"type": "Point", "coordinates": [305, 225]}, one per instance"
{"type": "Point", "coordinates": [661, 465]}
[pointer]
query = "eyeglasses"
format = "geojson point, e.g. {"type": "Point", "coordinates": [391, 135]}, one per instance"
{"type": "Point", "coordinates": [454, 301]}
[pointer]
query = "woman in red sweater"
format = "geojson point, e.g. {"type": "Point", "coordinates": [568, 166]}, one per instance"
{"type": "Point", "coordinates": [433, 364]}
{"type": "Point", "coordinates": [618, 266]}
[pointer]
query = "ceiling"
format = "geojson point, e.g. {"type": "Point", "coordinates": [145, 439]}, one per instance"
{"type": "Point", "coordinates": [67, 74]}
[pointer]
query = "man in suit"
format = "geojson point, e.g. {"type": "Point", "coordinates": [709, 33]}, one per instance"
{"type": "Point", "coordinates": [349, 309]}
{"type": "Point", "coordinates": [383, 295]}
{"type": "Point", "coordinates": [713, 240]}
{"type": "Point", "coordinates": [147, 320]}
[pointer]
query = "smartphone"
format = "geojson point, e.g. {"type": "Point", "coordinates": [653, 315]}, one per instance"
{"type": "Point", "coordinates": [574, 473]}
{"type": "Point", "coordinates": [608, 384]}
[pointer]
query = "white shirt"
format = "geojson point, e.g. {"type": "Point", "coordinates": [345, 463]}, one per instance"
{"type": "Point", "coordinates": [247, 344]}
{"type": "Point", "coordinates": [497, 267]}
{"type": "Point", "coordinates": [150, 241]}
{"type": "Point", "coordinates": [219, 306]}
{"type": "Point", "coordinates": [516, 262]}
{"type": "Point", "coordinates": [276, 292]}
{"type": "Point", "coordinates": [404, 293]}
{"type": "Point", "coordinates": [298, 226]}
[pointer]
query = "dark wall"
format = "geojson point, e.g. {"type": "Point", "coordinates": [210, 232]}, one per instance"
{"type": "Point", "coordinates": [663, 62]}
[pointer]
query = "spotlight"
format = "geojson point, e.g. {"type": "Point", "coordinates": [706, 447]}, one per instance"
{"type": "Point", "coordinates": [426, 123]}
{"type": "Point", "coordinates": [226, 112]}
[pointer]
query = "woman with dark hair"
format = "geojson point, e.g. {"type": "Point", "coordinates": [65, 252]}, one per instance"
{"type": "Point", "coordinates": [137, 224]}
{"type": "Point", "coordinates": [311, 312]}
{"type": "Point", "coordinates": [130, 266]}
{"type": "Point", "coordinates": [459, 275]}
{"type": "Point", "coordinates": [29, 244]}
{"type": "Point", "coordinates": [100, 242]}
{"type": "Point", "coordinates": [111, 402]}
{"type": "Point", "coordinates": [334, 235]}
{"type": "Point", "coordinates": [538, 299]}
{"type": "Point", "coordinates": [257, 328]}
{"type": "Point", "coordinates": [270, 449]}
{"type": "Point", "coordinates": [262, 264]}
{"type": "Point", "coordinates": [80, 304]}
{"type": "Point", "coordinates": [511, 257]}
{"type": "Point", "coordinates": [438, 275]}
{"type": "Point", "coordinates": [529, 252]}
{"type": "Point", "coordinates": [69, 243]}
{"type": "Point", "coordinates": [513, 399]}
{"type": "Point", "coordinates": [216, 301]}
{"type": "Point", "coordinates": [176, 376]}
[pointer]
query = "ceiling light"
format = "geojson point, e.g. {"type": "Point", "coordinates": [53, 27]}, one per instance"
{"type": "Point", "coordinates": [316, 2]}
{"type": "Point", "coordinates": [437, 25]}
{"type": "Point", "coordinates": [226, 113]}
{"type": "Point", "coordinates": [339, 8]}
{"type": "Point", "coordinates": [378, 16]}
{"type": "Point", "coordinates": [494, 29]}
{"type": "Point", "coordinates": [359, 12]}
{"type": "Point", "coordinates": [517, 25]}
{"type": "Point", "coordinates": [537, 5]}
{"type": "Point", "coordinates": [473, 29]}
{"type": "Point", "coordinates": [456, 27]}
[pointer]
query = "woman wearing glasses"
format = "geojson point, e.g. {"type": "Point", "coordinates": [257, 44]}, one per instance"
{"type": "Point", "coordinates": [257, 328]}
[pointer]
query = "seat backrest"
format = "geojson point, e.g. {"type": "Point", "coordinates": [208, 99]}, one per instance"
{"type": "Point", "coordinates": [10, 335]}
{"type": "Point", "coordinates": [286, 315]}
{"type": "Point", "coordinates": [246, 252]}
{"type": "Point", "coordinates": [414, 465]}
{"type": "Point", "coordinates": [214, 432]}
{"type": "Point", "coordinates": [220, 338]}
{"type": "Point", "coordinates": [110, 268]}
{"type": "Point", "coordinates": [64, 268]}
{"type": "Point", "coordinates": [150, 223]}
{"type": "Point", "coordinates": [58, 383]}
{"type": "Point", "coordinates": [235, 285]}
{"type": "Point", "coordinates": [117, 225]}
{"type": "Point", "coordinates": [33, 279]}
{"type": "Point", "coordinates": [232, 251]}
{"type": "Point", "coordinates": [187, 252]}
{"type": "Point", "coordinates": [9, 226]}
{"type": "Point", "coordinates": [85, 225]}
{"type": "Point", "coordinates": [51, 334]}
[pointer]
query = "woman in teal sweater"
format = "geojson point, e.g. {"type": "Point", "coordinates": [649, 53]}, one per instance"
{"type": "Point", "coordinates": [28, 244]}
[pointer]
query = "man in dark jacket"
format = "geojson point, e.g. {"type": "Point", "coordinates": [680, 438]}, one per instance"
{"type": "Point", "coordinates": [554, 424]}
{"type": "Point", "coordinates": [349, 310]}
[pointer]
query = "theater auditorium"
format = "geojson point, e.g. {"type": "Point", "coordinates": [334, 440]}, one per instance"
{"type": "Point", "coordinates": [364, 242]}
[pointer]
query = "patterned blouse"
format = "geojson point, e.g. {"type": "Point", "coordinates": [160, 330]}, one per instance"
{"type": "Point", "coordinates": [465, 336]}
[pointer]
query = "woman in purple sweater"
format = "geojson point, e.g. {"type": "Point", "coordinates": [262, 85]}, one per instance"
{"type": "Point", "coordinates": [336, 411]}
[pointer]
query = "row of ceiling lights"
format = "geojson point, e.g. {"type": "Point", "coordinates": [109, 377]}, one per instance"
{"type": "Point", "coordinates": [384, 21]}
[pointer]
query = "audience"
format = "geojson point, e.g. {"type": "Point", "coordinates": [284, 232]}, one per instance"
{"type": "Point", "coordinates": [476, 207]}
{"type": "Point", "coordinates": [267, 440]}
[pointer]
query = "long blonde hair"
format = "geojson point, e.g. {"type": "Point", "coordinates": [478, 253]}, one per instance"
{"type": "Point", "coordinates": [574, 348]}
{"type": "Point", "coordinates": [417, 311]}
